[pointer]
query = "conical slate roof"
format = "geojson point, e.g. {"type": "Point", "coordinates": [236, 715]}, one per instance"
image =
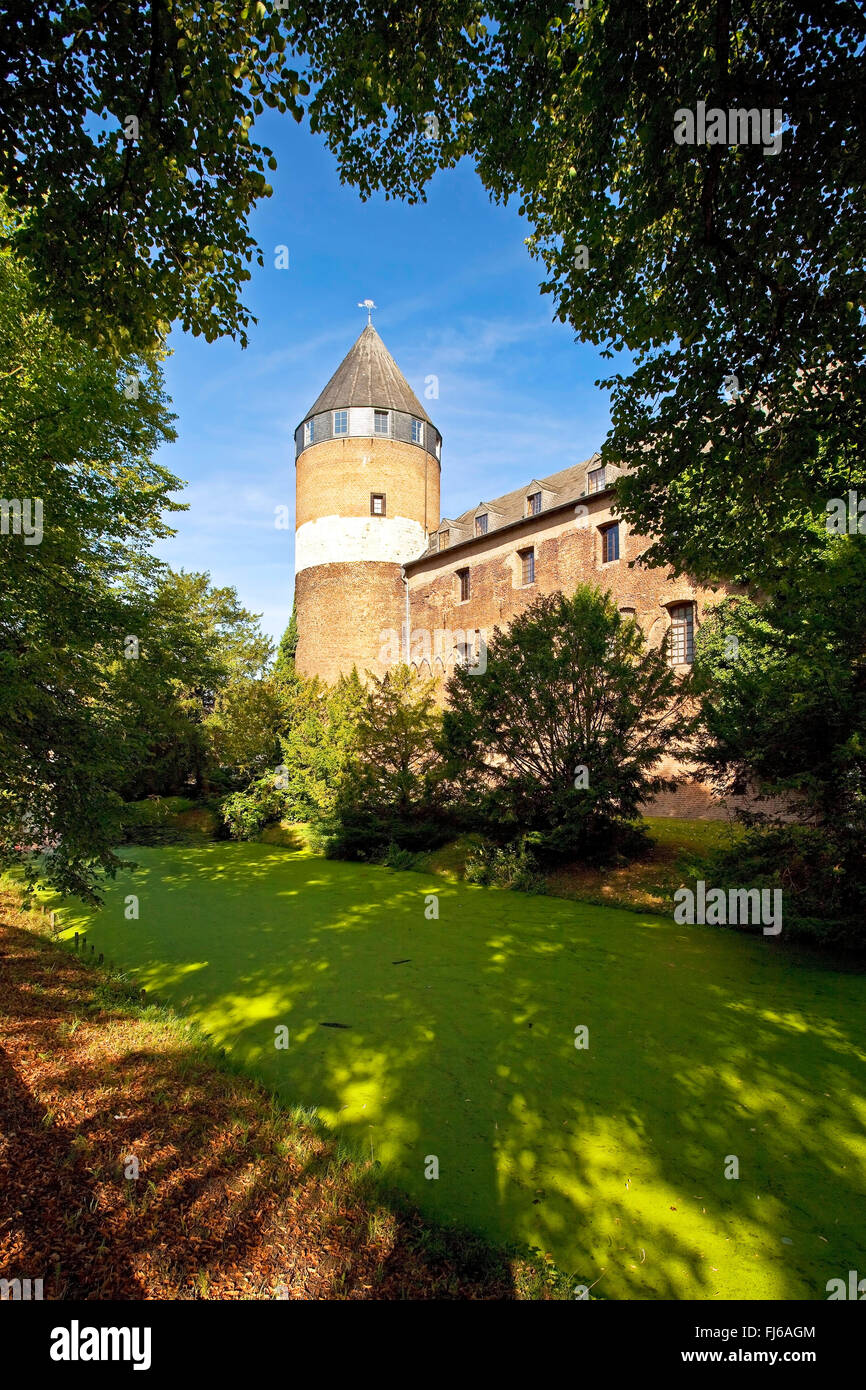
{"type": "Point", "coordinates": [368, 375]}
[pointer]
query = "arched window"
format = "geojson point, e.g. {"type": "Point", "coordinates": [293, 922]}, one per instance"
{"type": "Point", "coordinates": [681, 639]}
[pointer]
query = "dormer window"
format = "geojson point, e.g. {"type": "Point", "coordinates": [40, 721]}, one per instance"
{"type": "Point", "coordinates": [481, 524]}
{"type": "Point", "coordinates": [309, 431]}
{"type": "Point", "coordinates": [595, 480]}
{"type": "Point", "coordinates": [533, 504]}
{"type": "Point", "coordinates": [341, 422]}
{"type": "Point", "coordinates": [417, 432]}
{"type": "Point", "coordinates": [444, 540]}
{"type": "Point", "coordinates": [381, 422]}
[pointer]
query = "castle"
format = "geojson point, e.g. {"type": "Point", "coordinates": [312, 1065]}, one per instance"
{"type": "Point", "coordinates": [381, 576]}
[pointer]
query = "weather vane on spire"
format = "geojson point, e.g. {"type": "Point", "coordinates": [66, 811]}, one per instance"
{"type": "Point", "coordinates": [369, 306]}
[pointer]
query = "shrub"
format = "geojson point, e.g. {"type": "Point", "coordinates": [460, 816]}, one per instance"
{"type": "Point", "coordinates": [505, 866]}
{"type": "Point", "coordinates": [392, 790]}
{"type": "Point", "coordinates": [819, 871]}
{"type": "Point", "coordinates": [245, 813]}
{"type": "Point", "coordinates": [563, 732]}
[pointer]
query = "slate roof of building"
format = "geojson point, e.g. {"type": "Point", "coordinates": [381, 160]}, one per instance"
{"type": "Point", "coordinates": [368, 375]}
{"type": "Point", "coordinates": [511, 506]}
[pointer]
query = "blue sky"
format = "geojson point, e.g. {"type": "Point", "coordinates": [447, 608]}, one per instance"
{"type": "Point", "coordinates": [457, 295]}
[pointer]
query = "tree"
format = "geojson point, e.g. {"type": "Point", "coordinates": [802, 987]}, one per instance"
{"type": "Point", "coordinates": [319, 732]}
{"type": "Point", "coordinates": [284, 666]}
{"type": "Point", "coordinates": [784, 712]}
{"type": "Point", "coordinates": [82, 503]}
{"type": "Point", "coordinates": [392, 790]}
{"type": "Point", "coordinates": [125, 139]}
{"type": "Point", "coordinates": [784, 691]}
{"type": "Point", "coordinates": [564, 732]}
{"type": "Point", "coordinates": [731, 280]}
{"type": "Point", "coordinates": [196, 692]}
{"type": "Point", "coordinates": [734, 279]}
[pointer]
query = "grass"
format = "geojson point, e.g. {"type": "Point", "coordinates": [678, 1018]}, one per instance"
{"type": "Point", "coordinates": [457, 1041]}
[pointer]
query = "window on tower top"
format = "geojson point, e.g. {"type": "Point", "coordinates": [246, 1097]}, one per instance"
{"type": "Point", "coordinates": [381, 422]}
{"type": "Point", "coordinates": [341, 422]}
{"type": "Point", "coordinates": [417, 432]}
{"type": "Point", "coordinates": [309, 431]}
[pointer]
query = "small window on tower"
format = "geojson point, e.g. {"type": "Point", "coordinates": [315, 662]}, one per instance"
{"type": "Point", "coordinates": [377, 504]}
{"type": "Point", "coordinates": [533, 504]}
{"type": "Point", "coordinates": [417, 432]}
{"type": "Point", "coordinates": [481, 524]}
{"type": "Point", "coordinates": [444, 540]}
{"type": "Point", "coordinates": [309, 431]}
{"type": "Point", "coordinates": [381, 422]}
{"type": "Point", "coordinates": [341, 422]}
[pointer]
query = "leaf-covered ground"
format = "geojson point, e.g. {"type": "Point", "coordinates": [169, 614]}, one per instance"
{"type": "Point", "coordinates": [236, 1197]}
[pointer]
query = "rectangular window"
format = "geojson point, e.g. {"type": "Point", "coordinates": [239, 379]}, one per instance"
{"type": "Point", "coordinates": [481, 525]}
{"type": "Point", "coordinates": [533, 504]}
{"type": "Point", "coordinates": [341, 422]}
{"type": "Point", "coordinates": [309, 431]}
{"type": "Point", "coordinates": [681, 640]}
{"type": "Point", "coordinates": [610, 543]}
{"type": "Point", "coordinates": [595, 479]}
{"type": "Point", "coordinates": [465, 588]}
{"type": "Point", "coordinates": [417, 432]}
{"type": "Point", "coordinates": [444, 539]}
{"type": "Point", "coordinates": [377, 504]}
{"type": "Point", "coordinates": [381, 420]}
{"type": "Point", "coordinates": [527, 566]}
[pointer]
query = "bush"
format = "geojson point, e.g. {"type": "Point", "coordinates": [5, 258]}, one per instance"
{"type": "Point", "coordinates": [563, 731]}
{"type": "Point", "coordinates": [246, 813]}
{"type": "Point", "coordinates": [505, 866]}
{"type": "Point", "coordinates": [397, 858]}
{"type": "Point", "coordinates": [818, 869]}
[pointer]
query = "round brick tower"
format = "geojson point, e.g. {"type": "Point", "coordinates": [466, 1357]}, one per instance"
{"type": "Point", "coordinates": [367, 465]}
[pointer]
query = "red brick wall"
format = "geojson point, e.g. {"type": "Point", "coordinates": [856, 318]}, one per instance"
{"type": "Point", "coordinates": [342, 610]}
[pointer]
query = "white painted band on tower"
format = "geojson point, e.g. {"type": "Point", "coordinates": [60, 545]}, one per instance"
{"type": "Point", "coordinates": [332, 540]}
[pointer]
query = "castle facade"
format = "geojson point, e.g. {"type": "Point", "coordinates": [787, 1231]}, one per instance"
{"type": "Point", "coordinates": [381, 576]}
